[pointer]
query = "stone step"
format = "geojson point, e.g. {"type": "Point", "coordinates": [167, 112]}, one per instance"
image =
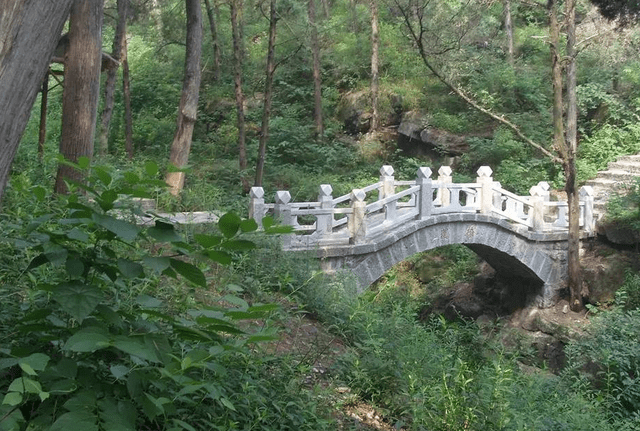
{"type": "Point", "coordinates": [618, 175]}
{"type": "Point", "coordinates": [629, 158]}
{"type": "Point", "coordinates": [627, 166]}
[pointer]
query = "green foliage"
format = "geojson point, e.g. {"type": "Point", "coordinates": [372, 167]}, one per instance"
{"type": "Point", "coordinates": [92, 347]}
{"type": "Point", "coordinates": [625, 209]}
{"type": "Point", "coordinates": [628, 295]}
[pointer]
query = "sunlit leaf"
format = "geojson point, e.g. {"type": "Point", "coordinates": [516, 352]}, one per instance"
{"type": "Point", "coordinates": [189, 271]}
{"type": "Point", "coordinates": [229, 224]}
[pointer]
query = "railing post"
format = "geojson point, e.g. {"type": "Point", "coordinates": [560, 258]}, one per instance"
{"type": "Point", "coordinates": [537, 211]}
{"type": "Point", "coordinates": [545, 188]}
{"type": "Point", "coordinates": [485, 185]}
{"type": "Point", "coordinates": [256, 205]}
{"type": "Point", "coordinates": [425, 194]}
{"type": "Point", "coordinates": [356, 222]}
{"type": "Point", "coordinates": [444, 177]}
{"type": "Point", "coordinates": [586, 195]}
{"type": "Point", "coordinates": [387, 189]}
{"type": "Point", "coordinates": [324, 222]}
{"type": "Point", "coordinates": [282, 213]}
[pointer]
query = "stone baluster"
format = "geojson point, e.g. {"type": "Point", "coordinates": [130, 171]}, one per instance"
{"type": "Point", "coordinates": [425, 194]}
{"type": "Point", "coordinates": [324, 222]}
{"type": "Point", "coordinates": [586, 195]}
{"type": "Point", "coordinates": [536, 217]}
{"type": "Point", "coordinates": [256, 205]}
{"type": "Point", "coordinates": [497, 196]}
{"type": "Point", "coordinates": [282, 214]}
{"type": "Point", "coordinates": [444, 177]}
{"type": "Point", "coordinates": [356, 223]}
{"type": "Point", "coordinates": [387, 189]}
{"type": "Point", "coordinates": [485, 192]}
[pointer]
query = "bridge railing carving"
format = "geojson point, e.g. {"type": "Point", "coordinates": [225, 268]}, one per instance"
{"type": "Point", "coordinates": [351, 219]}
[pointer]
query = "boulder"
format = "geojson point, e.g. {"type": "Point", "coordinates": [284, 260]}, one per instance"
{"type": "Point", "coordinates": [417, 138]}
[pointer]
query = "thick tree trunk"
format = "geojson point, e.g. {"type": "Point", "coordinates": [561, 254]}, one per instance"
{"type": "Point", "coordinates": [575, 275]}
{"type": "Point", "coordinates": [236, 29]}
{"type": "Point", "coordinates": [375, 47]}
{"type": "Point", "coordinates": [29, 33]}
{"type": "Point", "coordinates": [215, 42]}
{"type": "Point", "coordinates": [119, 40]}
{"type": "Point", "coordinates": [42, 136]}
{"type": "Point", "coordinates": [83, 60]}
{"type": "Point", "coordinates": [268, 92]}
{"type": "Point", "coordinates": [189, 100]}
{"type": "Point", "coordinates": [317, 79]}
{"type": "Point", "coordinates": [508, 28]}
{"type": "Point", "coordinates": [126, 93]}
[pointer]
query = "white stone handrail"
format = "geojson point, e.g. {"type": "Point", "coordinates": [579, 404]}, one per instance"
{"type": "Point", "coordinates": [419, 199]}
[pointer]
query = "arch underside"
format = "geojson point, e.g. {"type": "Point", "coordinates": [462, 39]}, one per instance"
{"type": "Point", "coordinates": [510, 253]}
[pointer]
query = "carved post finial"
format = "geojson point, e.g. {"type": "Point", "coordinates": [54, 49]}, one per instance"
{"type": "Point", "coordinates": [536, 218]}
{"type": "Point", "coordinates": [485, 189]}
{"type": "Point", "coordinates": [356, 222]}
{"type": "Point", "coordinates": [425, 195]}
{"type": "Point", "coordinates": [444, 178]}
{"type": "Point", "coordinates": [324, 221]}
{"type": "Point", "coordinates": [257, 209]}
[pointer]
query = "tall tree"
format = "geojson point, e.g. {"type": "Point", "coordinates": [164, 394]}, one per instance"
{"type": "Point", "coordinates": [126, 96]}
{"type": "Point", "coordinates": [215, 40]}
{"type": "Point", "coordinates": [268, 92]}
{"type": "Point", "coordinates": [238, 54]}
{"type": "Point", "coordinates": [375, 48]}
{"type": "Point", "coordinates": [189, 100]}
{"type": "Point", "coordinates": [508, 28]}
{"type": "Point", "coordinates": [83, 60]}
{"type": "Point", "coordinates": [317, 78]}
{"type": "Point", "coordinates": [29, 33]}
{"type": "Point", "coordinates": [119, 40]}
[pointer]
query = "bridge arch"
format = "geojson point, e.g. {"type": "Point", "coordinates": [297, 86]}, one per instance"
{"type": "Point", "coordinates": [510, 250]}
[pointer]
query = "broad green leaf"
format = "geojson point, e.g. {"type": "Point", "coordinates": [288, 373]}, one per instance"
{"type": "Point", "coordinates": [248, 225]}
{"type": "Point", "coordinates": [12, 418]}
{"type": "Point", "coordinates": [25, 385]}
{"type": "Point", "coordinates": [12, 398]}
{"type": "Point", "coordinates": [59, 387]}
{"type": "Point", "coordinates": [235, 300]}
{"type": "Point", "coordinates": [76, 420]}
{"type": "Point", "coordinates": [102, 175]}
{"type": "Point", "coordinates": [189, 271]}
{"type": "Point", "coordinates": [123, 229]}
{"type": "Point", "coordinates": [129, 268]}
{"type": "Point", "coordinates": [220, 257]}
{"type": "Point", "coordinates": [37, 361]}
{"type": "Point", "coordinates": [39, 192]}
{"type": "Point", "coordinates": [151, 168]}
{"type": "Point", "coordinates": [84, 162]}
{"type": "Point", "coordinates": [67, 367]}
{"type": "Point", "coordinates": [135, 346]}
{"type": "Point", "coordinates": [228, 404]}
{"type": "Point", "coordinates": [117, 415]}
{"type": "Point", "coordinates": [78, 235]}
{"type": "Point", "coordinates": [119, 371]}
{"type": "Point", "coordinates": [88, 340]}
{"type": "Point", "coordinates": [207, 241]}
{"type": "Point", "coordinates": [78, 299]}
{"type": "Point", "coordinates": [164, 232]}
{"type": "Point", "coordinates": [74, 267]}
{"type": "Point", "coordinates": [27, 369]}
{"type": "Point", "coordinates": [83, 400]}
{"type": "Point", "coordinates": [229, 224]}
{"type": "Point", "coordinates": [184, 425]}
{"type": "Point", "coordinates": [157, 264]}
{"type": "Point", "coordinates": [261, 337]}
{"type": "Point", "coordinates": [148, 301]}
{"type": "Point", "coordinates": [8, 362]}
{"type": "Point", "coordinates": [106, 199]}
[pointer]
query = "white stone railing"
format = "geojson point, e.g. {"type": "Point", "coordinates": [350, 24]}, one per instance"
{"type": "Point", "coordinates": [358, 216]}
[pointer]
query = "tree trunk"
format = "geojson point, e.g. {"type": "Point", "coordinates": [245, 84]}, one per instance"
{"type": "Point", "coordinates": [29, 33]}
{"type": "Point", "coordinates": [317, 80]}
{"type": "Point", "coordinates": [126, 93]}
{"type": "Point", "coordinates": [375, 47]}
{"type": "Point", "coordinates": [110, 83]}
{"type": "Point", "coordinates": [575, 275]}
{"type": "Point", "coordinates": [236, 30]}
{"type": "Point", "coordinates": [214, 40]}
{"type": "Point", "coordinates": [42, 136]}
{"type": "Point", "coordinates": [268, 91]}
{"type": "Point", "coordinates": [508, 27]}
{"type": "Point", "coordinates": [189, 100]}
{"type": "Point", "coordinates": [83, 60]}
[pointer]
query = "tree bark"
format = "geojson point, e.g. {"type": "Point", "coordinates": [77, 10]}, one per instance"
{"type": "Point", "coordinates": [236, 30]}
{"type": "Point", "coordinates": [189, 101]}
{"type": "Point", "coordinates": [215, 41]}
{"type": "Point", "coordinates": [268, 92]}
{"type": "Point", "coordinates": [119, 40]}
{"type": "Point", "coordinates": [126, 93]}
{"type": "Point", "coordinates": [375, 47]}
{"type": "Point", "coordinates": [317, 79]}
{"type": "Point", "coordinates": [42, 135]}
{"type": "Point", "coordinates": [83, 60]}
{"type": "Point", "coordinates": [29, 33]}
{"type": "Point", "coordinates": [508, 27]}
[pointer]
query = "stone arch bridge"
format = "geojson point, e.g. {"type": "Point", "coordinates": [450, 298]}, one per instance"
{"type": "Point", "coordinates": [371, 229]}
